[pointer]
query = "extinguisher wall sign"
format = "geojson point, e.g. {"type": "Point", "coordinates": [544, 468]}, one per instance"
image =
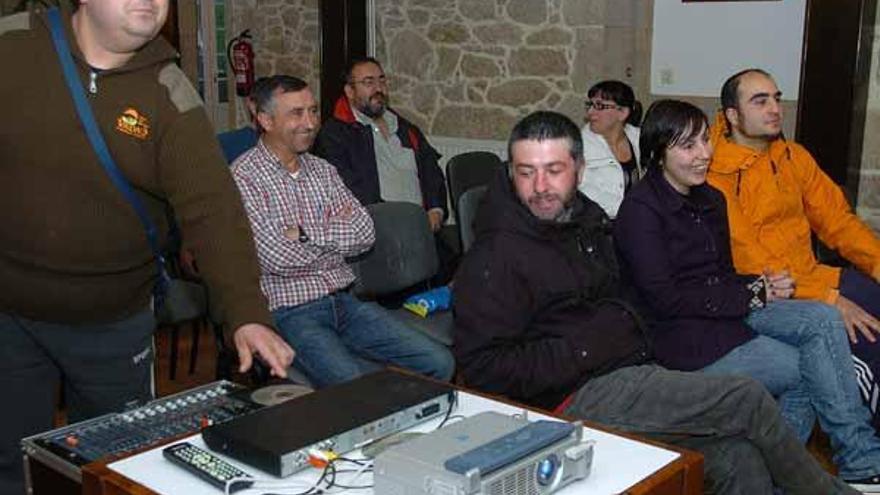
{"type": "Point", "coordinates": [240, 53]}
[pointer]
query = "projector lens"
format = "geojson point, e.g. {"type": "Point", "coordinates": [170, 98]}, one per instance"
{"type": "Point", "coordinates": [546, 471]}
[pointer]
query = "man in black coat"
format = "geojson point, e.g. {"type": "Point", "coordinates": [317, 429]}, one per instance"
{"type": "Point", "coordinates": [538, 319]}
{"type": "Point", "coordinates": [380, 155]}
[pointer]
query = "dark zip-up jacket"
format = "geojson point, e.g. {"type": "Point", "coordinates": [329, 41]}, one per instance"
{"type": "Point", "coordinates": [536, 307]}
{"type": "Point", "coordinates": [348, 145]}
{"type": "Point", "coordinates": [71, 247]}
{"type": "Point", "coordinates": [675, 253]}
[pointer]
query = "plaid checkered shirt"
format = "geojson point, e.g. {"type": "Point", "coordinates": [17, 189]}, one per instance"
{"type": "Point", "coordinates": [332, 224]}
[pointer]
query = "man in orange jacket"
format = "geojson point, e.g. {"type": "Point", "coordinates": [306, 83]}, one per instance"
{"type": "Point", "coordinates": [777, 197]}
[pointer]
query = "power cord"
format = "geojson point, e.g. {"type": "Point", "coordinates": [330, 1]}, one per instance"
{"type": "Point", "coordinates": [325, 484]}
{"type": "Point", "coordinates": [328, 460]}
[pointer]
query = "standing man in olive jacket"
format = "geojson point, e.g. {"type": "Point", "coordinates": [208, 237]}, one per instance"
{"type": "Point", "coordinates": [537, 319]}
{"type": "Point", "coordinates": [76, 268]}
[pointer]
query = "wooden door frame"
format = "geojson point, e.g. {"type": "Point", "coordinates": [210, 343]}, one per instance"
{"type": "Point", "coordinates": [344, 35]}
{"type": "Point", "coordinates": [834, 87]}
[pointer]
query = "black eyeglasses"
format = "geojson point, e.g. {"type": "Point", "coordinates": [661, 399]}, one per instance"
{"type": "Point", "coordinates": [371, 82]}
{"type": "Point", "coordinates": [599, 106]}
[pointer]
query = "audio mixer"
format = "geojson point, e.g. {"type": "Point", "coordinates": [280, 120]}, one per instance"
{"type": "Point", "coordinates": [68, 448]}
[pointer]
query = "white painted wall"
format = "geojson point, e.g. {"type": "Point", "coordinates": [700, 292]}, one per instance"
{"type": "Point", "coordinates": [696, 46]}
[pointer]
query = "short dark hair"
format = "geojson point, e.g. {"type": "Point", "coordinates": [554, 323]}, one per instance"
{"type": "Point", "coordinates": [264, 90]}
{"type": "Point", "coordinates": [544, 125]}
{"type": "Point", "coordinates": [620, 93]}
{"type": "Point", "coordinates": [729, 96]}
{"type": "Point", "coordinates": [346, 75]}
{"type": "Point", "coordinates": [668, 123]}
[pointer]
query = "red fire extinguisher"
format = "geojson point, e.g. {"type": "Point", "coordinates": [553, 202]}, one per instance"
{"type": "Point", "coordinates": [240, 53]}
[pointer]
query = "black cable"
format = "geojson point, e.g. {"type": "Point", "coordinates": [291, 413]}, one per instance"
{"type": "Point", "coordinates": [352, 487]}
{"type": "Point", "coordinates": [348, 487]}
{"type": "Point", "coordinates": [334, 484]}
{"type": "Point", "coordinates": [315, 489]}
{"type": "Point", "coordinates": [453, 400]}
{"type": "Point", "coordinates": [332, 481]}
{"type": "Point", "coordinates": [352, 470]}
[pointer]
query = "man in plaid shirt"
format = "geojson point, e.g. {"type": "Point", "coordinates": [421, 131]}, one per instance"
{"type": "Point", "coordinates": [306, 222]}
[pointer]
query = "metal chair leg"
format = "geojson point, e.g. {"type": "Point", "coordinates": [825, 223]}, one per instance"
{"type": "Point", "coordinates": [194, 350]}
{"type": "Point", "coordinates": [175, 337]}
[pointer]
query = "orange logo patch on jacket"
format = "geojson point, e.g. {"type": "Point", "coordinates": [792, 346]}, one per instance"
{"type": "Point", "coordinates": [134, 124]}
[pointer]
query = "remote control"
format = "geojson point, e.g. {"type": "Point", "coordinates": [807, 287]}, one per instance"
{"type": "Point", "coordinates": [207, 466]}
{"type": "Point", "coordinates": [510, 447]}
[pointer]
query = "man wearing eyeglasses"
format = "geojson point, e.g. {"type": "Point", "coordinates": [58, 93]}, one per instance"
{"type": "Point", "coordinates": [380, 155]}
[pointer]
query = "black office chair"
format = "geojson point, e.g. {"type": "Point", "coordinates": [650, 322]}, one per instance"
{"type": "Point", "coordinates": [403, 256]}
{"type": "Point", "coordinates": [468, 205]}
{"type": "Point", "coordinates": [468, 170]}
{"type": "Point", "coordinates": [186, 303]}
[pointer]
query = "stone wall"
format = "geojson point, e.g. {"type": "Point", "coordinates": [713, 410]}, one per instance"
{"type": "Point", "coordinates": [286, 37]}
{"type": "Point", "coordinates": [471, 68]}
{"type": "Point", "coordinates": [869, 172]}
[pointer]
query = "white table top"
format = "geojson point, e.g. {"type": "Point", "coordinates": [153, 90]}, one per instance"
{"type": "Point", "coordinates": [618, 463]}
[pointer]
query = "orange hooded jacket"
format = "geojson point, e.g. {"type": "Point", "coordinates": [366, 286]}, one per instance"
{"type": "Point", "coordinates": [774, 200]}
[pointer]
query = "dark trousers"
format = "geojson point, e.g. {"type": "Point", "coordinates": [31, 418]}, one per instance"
{"type": "Point", "coordinates": [864, 291]}
{"type": "Point", "coordinates": [103, 368]}
{"type": "Point", "coordinates": [732, 421]}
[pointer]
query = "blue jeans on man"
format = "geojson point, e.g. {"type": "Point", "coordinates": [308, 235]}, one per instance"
{"type": "Point", "coordinates": [338, 338]}
{"type": "Point", "coordinates": [802, 355]}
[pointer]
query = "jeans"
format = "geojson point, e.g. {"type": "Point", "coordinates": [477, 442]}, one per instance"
{"type": "Point", "coordinates": [103, 367]}
{"type": "Point", "coordinates": [771, 362]}
{"type": "Point", "coordinates": [777, 366]}
{"type": "Point", "coordinates": [828, 386]}
{"type": "Point", "coordinates": [865, 291]}
{"type": "Point", "coordinates": [733, 421]}
{"type": "Point", "coordinates": [338, 338]}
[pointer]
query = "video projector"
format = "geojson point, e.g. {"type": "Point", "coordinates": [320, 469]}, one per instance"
{"type": "Point", "coordinates": [488, 453]}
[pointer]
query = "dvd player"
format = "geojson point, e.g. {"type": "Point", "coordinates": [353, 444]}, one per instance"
{"type": "Point", "coordinates": [341, 418]}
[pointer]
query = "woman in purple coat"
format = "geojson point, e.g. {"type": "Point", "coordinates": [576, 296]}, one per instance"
{"type": "Point", "coordinates": [673, 241]}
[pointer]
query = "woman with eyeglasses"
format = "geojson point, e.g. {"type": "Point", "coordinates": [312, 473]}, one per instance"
{"type": "Point", "coordinates": [673, 241]}
{"type": "Point", "coordinates": [611, 144]}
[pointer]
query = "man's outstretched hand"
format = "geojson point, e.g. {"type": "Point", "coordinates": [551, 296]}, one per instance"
{"type": "Point", "coordinates": [254, 338]}
{"type": "Point", "coordinates": [858, 320]}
